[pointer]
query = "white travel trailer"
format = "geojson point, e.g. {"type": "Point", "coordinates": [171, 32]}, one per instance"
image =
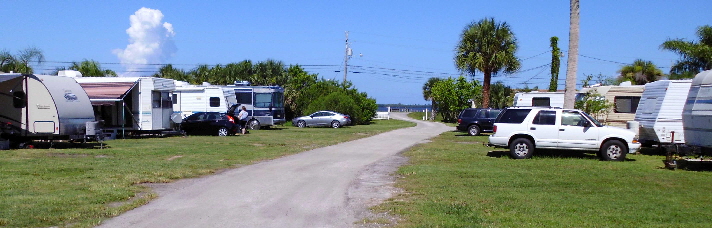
{"type": "Point", "coordinates": [660, 112]}
{"type": "Point", "coordinates": [624, 97]}
{"type": "Point", "coordinates": [189, 99]}
{"type": "Point", "coordinates": [131, 104]}
{"type": "Point", "coordinates": [42, 107]}
{"type": "Point", "coordinates": [697, 112]}
{"type": "Point", "coordinates": [536, 98]}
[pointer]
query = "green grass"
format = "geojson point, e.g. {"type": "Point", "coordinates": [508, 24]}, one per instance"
{"type": "Point", "coordinates": [420, 115]}
{"type": "Point", "coordinates": [455, 181]}
{"type": "Point", "coordinates": [80, 187]}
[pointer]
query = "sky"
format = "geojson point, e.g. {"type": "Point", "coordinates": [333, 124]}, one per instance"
{"type": "Point", "coordinates": [396, 45]}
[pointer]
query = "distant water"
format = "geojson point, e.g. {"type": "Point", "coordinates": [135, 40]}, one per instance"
{"type": "Point", "coordinates": [403, 108]}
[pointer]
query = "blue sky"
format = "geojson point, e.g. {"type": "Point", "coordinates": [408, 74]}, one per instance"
{"type": "Point", "coordinates": [397, 45]}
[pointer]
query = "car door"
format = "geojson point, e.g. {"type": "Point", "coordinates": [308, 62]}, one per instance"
{"type": "Point", "coordinates": [192, 122]}
{"type": "Point", "coordinates": [313, 119]}
{"type": "Point", "coordinates": [576, 132]}
{"type": "Point", "coordinates": [486, 118]}
{"type": "Point", "coordinates": [545, 129]}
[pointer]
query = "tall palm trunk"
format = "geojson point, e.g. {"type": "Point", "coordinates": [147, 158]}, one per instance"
{"type": "Point", "coordinates": [486, 89]}
{"type": "Point", "coordinates": [572, 63]}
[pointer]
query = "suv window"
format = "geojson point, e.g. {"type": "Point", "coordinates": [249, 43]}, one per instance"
{"type": "Point", "coordinates": [545, 117]}
{"type": "Point", "coordinates": [493, 113]}
{"type": "Point", "coordinates": [468, 113]}
{"type": "Point", "coordinates": [513, 116]}
{"type": "Point", "coordinates": [571, 118]}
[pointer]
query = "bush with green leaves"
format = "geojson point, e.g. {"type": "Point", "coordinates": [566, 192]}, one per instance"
{"type": "Point", "coordinates": [594, 104]}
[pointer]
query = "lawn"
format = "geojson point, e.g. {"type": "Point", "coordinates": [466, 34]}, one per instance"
{"type": "Point", "coordinates": [455, 181]}
{"type": "Point", "coordinates": [81, 187]}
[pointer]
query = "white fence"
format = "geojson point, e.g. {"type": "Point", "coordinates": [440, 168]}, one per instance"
{"type": "Point", "coordinates": [382, 116]}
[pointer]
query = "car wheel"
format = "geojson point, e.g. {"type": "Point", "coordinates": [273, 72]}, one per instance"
{"type": "Point", "coordinates": [301, 124]}
{"type": "Point", "coordinates": [613, 150]}
{"type": "Point", "coordinates": [473, 130]}
{"type": "Point", "coordinates": [223, 131]}
{"type": "Point", "coordinates": [521, 148]}
{"type": "Point", "coordinates": [253, 125]}
{"type": "Point", "coordinates": [335, 124]}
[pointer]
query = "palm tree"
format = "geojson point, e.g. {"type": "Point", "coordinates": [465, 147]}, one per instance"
{"type": "Point", "coordinates": [20, 63]}
{"type": "Point", "coordinates": [695, 56]}
{"type": "Point", "coordinates": [572, 64]}
{"type": "Point", "coordinates": [640, 72]}
{"type": "Point", "coordinates": [91, 68]}
{"type": "Point", "coordinates": [428, 93]}
{"type": "Point", "coordinates": [488, 47]}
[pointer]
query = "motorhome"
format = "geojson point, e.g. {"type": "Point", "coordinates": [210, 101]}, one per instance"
{"type": "Point", "coordinates": [624, 97]}
{"type": "Point", "coordinates": [536, 98]}
{"type": "Point", "coordinates": [659, 112]}
{"type": "Point", "coordinates": [697, 112]}
{"type": "Point", "coordinates": [189, 99]}
{"type": "Point", "coordinates": [131, 105]}
{"type": "Point", "coordinates": [265, 104]}
{"type": "Point", "coordinates": [42, 107]}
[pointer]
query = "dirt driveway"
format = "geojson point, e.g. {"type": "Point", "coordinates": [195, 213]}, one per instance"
{"type": "Point", "coordinates": [325, 187]}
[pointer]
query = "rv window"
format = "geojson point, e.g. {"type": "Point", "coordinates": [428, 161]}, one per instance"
{"type": "Point", "coordinates": [626, 104]}
{"type": "Point", "coordinates": [214, 102]}
{"type": "Point", "coordinates": [156, 99]}
{"type": "Point", "coordinates": [19, 99]}
{"type": "Point", "coordinates": [263, 100]}
{"type": "Point", "coordinates": [278, 100]}
{"type": "Point", "coordinates": [175, 98]}
{"type": "Point", "coordinates": [244, 98]}
{"type": "Point", "coordinates": [541, 101]}
{"type": "Point", "coordinates": [166, 100]}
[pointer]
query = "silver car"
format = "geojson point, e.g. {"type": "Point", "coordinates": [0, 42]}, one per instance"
{"type": "Point", "coordinates": [322, 118]}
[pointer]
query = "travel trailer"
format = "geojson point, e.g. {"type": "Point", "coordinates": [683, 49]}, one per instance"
{"type": "Point", "coordinates": [624, 97]}
{"type": "Point", "coordinates": [42, 107]}
{"type": "Point", "coordinates": [697, 112]}
{"type": "Point", "coordinates": [659, 112]}
{"type": "Point", "coordinates": [189, 99]}
{"type": "Point", "coordinates": [131, 105]}
{"type": "Point", "coordinates": [535, 98]}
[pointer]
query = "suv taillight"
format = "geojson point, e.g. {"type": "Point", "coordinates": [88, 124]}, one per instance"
{"type": "Point", "coordinates": [494, 129]}
{"type": "Point", "coordinates": [459, 121]}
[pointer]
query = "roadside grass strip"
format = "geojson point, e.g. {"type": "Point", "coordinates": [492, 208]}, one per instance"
{"type": "Point", "coordinates": [81, 187]}
{"type": "Point", "coordinates": [455, 181]}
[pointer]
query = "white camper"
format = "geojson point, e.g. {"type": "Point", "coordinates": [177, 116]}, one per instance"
{"type": "Point", "coordinates": [265, 104]}
{"type": "Point", "coordinates": [624, 97]}
{"type": "Point", "coordinates": [189, 99]}
{"type": "Point", "coordinates": [697, 112]}
{"type": "Point", "coordinates": [536, 98]}
{"type": "Point", "coordinates": [42, 107]}
{"type": "Point", "coordinates": [131, 104]}
{"type": "Point", "coordinates": [659, 112]}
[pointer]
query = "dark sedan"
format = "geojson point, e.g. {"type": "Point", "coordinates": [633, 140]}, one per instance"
{"type": "Point", "coordinates": [209, 123]}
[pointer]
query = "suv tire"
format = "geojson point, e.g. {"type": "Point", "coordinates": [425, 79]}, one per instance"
{"type": "Point", "coordinates": [521, 148]}
{"type": "Point", "coordinates": [613, 150]}
{"type": "Point", "coordinates": [473, 130]}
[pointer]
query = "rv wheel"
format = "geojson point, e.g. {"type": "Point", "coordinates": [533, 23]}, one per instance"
{"type": "Point", "coordinates": [254, 125]}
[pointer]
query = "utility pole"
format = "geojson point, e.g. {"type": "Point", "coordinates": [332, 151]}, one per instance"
{"type": "Point", "coordinates": [347, 55]}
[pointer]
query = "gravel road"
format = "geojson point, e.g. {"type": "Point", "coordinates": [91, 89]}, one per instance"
{"type": "Point", "coordinates": [327, 187]}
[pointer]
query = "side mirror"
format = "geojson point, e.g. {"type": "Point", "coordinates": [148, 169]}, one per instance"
{"type": "Point", "coordinates": [587, 124]}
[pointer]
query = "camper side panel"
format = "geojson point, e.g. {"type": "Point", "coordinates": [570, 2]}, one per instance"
{"type": "Point", "coordinates": [697, 115]}
{"type": "Point", "coordinates": [625, 100]}
{"type": "Point", "coordinates": [648, 110]}
{"type": "Point", "coordinates": [42, 116]}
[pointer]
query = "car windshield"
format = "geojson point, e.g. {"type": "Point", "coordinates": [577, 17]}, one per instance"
{"type": "Point", "coordinates": [595, 122]}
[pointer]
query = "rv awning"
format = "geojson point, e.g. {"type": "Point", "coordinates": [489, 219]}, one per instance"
{"type": "Point", "coordinates": [102, 93]}
{"type": "Point", "coordinates": [7, 77]}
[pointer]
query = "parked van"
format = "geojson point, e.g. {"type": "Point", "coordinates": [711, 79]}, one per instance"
{"type": "Point", "coordinates": [624, 97]}
{"type": "Point", "coordinates": [659, 112]}
{"type": "Point", "coordinates": [42, 107]}
{"type": "Point", "coordinates": [542, 99]}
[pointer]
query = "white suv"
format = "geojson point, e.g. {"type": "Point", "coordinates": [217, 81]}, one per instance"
{"type": "Point", "coordinates": [523, 129]}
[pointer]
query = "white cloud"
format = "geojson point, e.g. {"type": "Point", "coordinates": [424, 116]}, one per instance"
{"type": "Point", "coordinates": [150, 41]}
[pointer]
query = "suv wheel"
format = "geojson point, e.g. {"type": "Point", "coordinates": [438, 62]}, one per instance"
{"type": "Point", "coordinates": [613, 150]}
{"type": "Point", "coordinates": [521, 148]}
{"type": "Point", "coordinates": [223, 131]}
{"type": "Point", "coordinates": [473, 130]}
